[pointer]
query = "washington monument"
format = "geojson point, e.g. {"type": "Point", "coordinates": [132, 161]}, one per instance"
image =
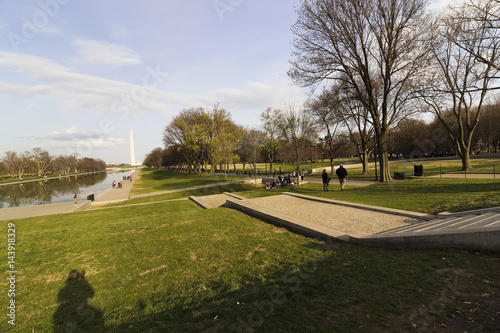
{"type": "Point", "coordinates": [132, 149]}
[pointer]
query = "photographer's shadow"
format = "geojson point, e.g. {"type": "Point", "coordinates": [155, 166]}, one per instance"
{"type": "Point", "coordinates": [74, 314]}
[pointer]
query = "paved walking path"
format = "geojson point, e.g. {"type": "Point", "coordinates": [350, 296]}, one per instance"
{"type": "Point", "coordinates": [39, 210]}
{"type": "Point", "coordinates": [335, 181]}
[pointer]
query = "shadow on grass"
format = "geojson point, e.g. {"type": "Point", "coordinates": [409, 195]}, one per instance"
{"type": "Point", "coordinates": [74, 314]}
{"type": "Point", "coordinates": [345, 289]}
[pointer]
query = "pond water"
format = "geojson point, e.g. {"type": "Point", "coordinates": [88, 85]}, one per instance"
{"type": "Point", "coordinates": [56, 190]}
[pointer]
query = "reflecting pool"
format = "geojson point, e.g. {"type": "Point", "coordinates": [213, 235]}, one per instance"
{"type": "Point", "coordinates": [56, 190]}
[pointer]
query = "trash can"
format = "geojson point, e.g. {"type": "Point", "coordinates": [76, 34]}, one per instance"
{"type": "Point", "coordinates": [419, 170]}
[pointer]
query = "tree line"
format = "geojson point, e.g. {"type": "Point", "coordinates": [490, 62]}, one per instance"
{"type": "Point", "coordinates": [38, 162]}
{"type": "Point", "coordinates": [200, 140]}
{"type": "Point", "coordinates": [310, 133]}
{"type": "Point", "coordinates": [378, 65]}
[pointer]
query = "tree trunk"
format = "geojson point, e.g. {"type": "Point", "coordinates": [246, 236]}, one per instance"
{"type": "Point", "coordinates": [385, 174]}
{"type": "Point", "coordinates": [332, 168]}
{"type": "Point", "coordinates": [365, 160]}
{"type": "Point", "coordinates": [465, 162]}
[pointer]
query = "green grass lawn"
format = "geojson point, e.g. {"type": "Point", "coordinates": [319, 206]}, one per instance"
{"type": "Point", "coordinates": [431, 167]}
{"type": "Point", "coordinates": [161, 180]}
{"type": "Point", "coordinates": [173, 267]}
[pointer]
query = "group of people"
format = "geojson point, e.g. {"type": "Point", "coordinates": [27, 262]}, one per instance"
{"type": "Point", "coordinates": [119, 184]}
{"type": "Point", "coordinates": [281, 181]}
{"type": "Point", "coordinates": [341, 172]}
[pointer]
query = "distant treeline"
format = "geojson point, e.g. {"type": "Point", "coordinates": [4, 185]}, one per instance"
{"type": "Point", "coordinates": [38, 162]}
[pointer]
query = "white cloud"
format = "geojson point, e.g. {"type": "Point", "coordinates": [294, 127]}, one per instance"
{"type": "Point", "coordinates": [258, 96]}
{"type": "Point", "coordinates": [3, 25]}
{"type": "Point", "coordinates": [76, 92]}
{"type": "Point", "coordinates": [101, 142]}
{"type": "Point", "coordinates": [97, 52]}
{"type": "Point", "coordinates": [69, 134]}
{"type": "Point", "coordinates": [77, 137]}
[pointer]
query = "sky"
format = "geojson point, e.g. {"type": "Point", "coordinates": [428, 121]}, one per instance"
{"type": "Point", "coordinates": [78, 76]}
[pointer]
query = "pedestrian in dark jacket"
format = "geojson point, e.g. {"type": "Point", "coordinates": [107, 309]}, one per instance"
{"type": "Point", "coordinates": [342, 174]}
{"type": "Point", "coordinates": [326, 180]}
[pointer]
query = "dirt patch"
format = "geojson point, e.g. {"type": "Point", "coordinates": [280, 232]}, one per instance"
{"type": "Point", "coordinates": [454, 272]}
{"type": "Point", "coordinates": [251, 254]}
{"type": "Point", "coordinates": [153, 270]}
{"type": "Point", "coordinates": [280, 230]}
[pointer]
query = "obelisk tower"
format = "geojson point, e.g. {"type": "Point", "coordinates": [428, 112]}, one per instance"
{"type": "Point", "coordinates": [132, 149]}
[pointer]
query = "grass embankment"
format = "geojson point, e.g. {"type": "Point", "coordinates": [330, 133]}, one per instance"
{"type": "Point", "coordinates": [175, 267]}
{"type": "Point", "coordinates": [162, 180]}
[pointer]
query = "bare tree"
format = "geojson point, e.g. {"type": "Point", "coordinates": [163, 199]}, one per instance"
{"type": "Point", "coordinates": [325, 112]}
{"type": "Point", "coordinates": [250, 145]}
{"type": "Point", "coordinates": [17, 163]}
{"type": "Point", "coordinates": [298, 133]}
{"type": "Point", "coordinates": [42, 159]}
{"type": "Point", "coordinates": [377, 48]}
{"type": "Point", "coordinates": [461, 80]}
{"type": "Point", "coordinates": [271, 137]}
{"type": "Point", "coordinates": [361, 131]}
{"type": "Point", "coordinates": [477, 20]}
{"type": "Point", "coordinates": [488, 129]}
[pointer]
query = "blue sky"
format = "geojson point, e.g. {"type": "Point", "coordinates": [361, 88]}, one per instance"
{"type": "Point", "coordinates": [77, 76]}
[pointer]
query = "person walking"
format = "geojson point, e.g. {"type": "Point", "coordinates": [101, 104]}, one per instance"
{"type": "Point", "coordinates": [342, 174]}
{"type": "Point", "coordinates": [326, 180]}
{"type": "Point", "coordinates": [75, 198]}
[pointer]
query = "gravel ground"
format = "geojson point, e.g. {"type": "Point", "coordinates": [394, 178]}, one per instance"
{"type": "Point", "coordinates": [346, 219]}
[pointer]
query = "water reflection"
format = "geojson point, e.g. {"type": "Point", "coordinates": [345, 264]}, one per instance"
{"type": "Point", "coordinates": [54, 190]}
